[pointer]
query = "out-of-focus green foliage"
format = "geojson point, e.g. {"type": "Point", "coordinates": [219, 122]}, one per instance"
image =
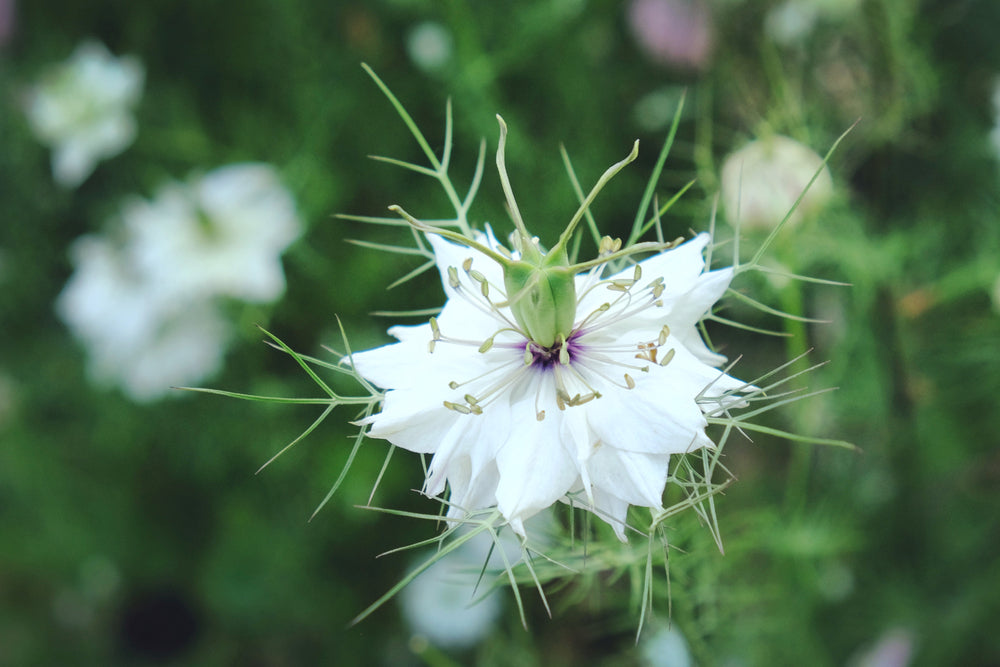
{"type": "Point", "coordinates": [138, 534]}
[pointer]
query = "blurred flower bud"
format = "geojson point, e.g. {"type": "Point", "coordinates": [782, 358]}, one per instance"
{"type": "Point", "coordinates": [677, 33]}
{"type": "Point", "coordinates": [429, 46]}
{"type": "Point", "coordinates": [762, 180]}
{"type": "Point", "coordinates": [6, 21]}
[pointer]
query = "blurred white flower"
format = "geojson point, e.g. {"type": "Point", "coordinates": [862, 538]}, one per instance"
{"type": "Point", "coordinates": [221, 234]}
{"type": "Point", "coordinates": [83, 108]}
{"type": "Point", "coordinates": [895, 648]}
{"type": "Point", "coordinates": [519, 420]}
{"type": "Point", "coordinates": [762, 180]}
{"type": "Point", "coordinates": [449, 603]}
{"type": "Point", "coordinates": [445, 603]}
{"type": "Point", "coordinates": [429, 45]}
{"type": "Point", "coordinates": [791, 21]}
{"type": "Point", "coordinates": [145, 307]}
{"type": "Point", "coordinates": [134, 339]}
{"type": "Point", "coordinates": [794, 20]}
{"type": "Point", "coordinates": [995, 132]}
{"type": "Point", "coordinates": [665, 647]}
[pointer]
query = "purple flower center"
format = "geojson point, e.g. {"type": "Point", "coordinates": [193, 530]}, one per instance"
{"type": "Point", "coordinates": [547, 357]}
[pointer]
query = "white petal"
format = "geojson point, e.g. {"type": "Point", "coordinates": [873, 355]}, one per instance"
{"type": "Point", "coordinates": [637, 479]}
{"type": "Point", "coordinates": [535, 467]}
{"type": "Point", "coordinates": [612, 510]}
{"type": "Point", "coordinates": [397, 365]}
{"type": "Point", "coordinates": [414, 419]}
{"type": "Point", "coordinates": [658, 416]}
{"type": "Point", "coordinates": [460, 318]}
{"type": "Point", "coordinates": [690, 307]}
{"type": "Point", "coordinates": [472, 442]}
{"type": "Point", "coordinates": [448, 254]}
{"type": "Point", "coordinates": [72, 163]}
{"type": "Point", "coordinates": [679, 267]}
{"type": "Point", "coordinates": [473, 489]}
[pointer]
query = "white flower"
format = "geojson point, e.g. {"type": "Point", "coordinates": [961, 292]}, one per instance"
{"type": "Point", "coordinates": [442, 603]}
{"type": "Point", "coordinates": [83, 110]}
{"type": "Point", "coordinates": [762, 180]}
{"type": "Point", "coordinates": [450, 603]}
{"type": "Point", "coordinates": [665, 647]}
{"type": "Point", "coordinates": [221, 235]}
{"type": "Point", "coordinates": [146, 307]}
{"type": "Point", "coordinates": [597, 412]}
{"type": "Point", "coordinates": [895, 648]}
{"type": "Point", "coordinates": [793, 21]}
{"type": "Point", "coordinates": [134, 339]}
{"type": "Point", "coordinates": [429, 45]}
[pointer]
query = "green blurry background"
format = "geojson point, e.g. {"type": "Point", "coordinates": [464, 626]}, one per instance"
{"type": "Point", "coordinates": [138, 534]}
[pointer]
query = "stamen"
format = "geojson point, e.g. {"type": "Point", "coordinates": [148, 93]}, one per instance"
{"type": "Point", "coordinates": [668, 356]}
{"type": "Point", "coordinates": [562, 398]}
{"type": "Point", "coordinates": [608, 246]}
{"type": "Point", "coordinates": [453, 277]}
{"type": "Point", "coordinates": [587, 398]}
{"type": "Point", "coordinates": [563, 350]}
{"type": "Point", "coordinates": [457, 407]}
{"type": "Point", "coordinates": [435, 335]}
{"type": "Point", "coordinates": [629, 381]}
{"type": "Point", "coordinates": [647, 352]}
{"type": "Point", "coordinates": [657, 288]}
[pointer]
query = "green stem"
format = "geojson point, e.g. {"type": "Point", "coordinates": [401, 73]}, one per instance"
{"type": "Point", "coordinates": [796, 346]}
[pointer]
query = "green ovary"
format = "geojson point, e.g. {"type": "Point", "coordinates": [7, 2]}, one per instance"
{"type": "Point", "coordinates": [542, 298]}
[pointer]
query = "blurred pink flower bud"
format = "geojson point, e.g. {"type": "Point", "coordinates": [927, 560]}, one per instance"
{"type": "Point", "coordinates": [6, 21]}
{"type": "Point", "coordinates": [677, 33]}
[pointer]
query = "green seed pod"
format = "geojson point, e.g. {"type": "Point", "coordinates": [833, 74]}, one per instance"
{"type": "Point", "coordinates": [542, 297]}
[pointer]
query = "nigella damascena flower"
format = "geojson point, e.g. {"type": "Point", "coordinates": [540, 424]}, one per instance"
{"type": "Point", "coordinates": [543, 381]}
{"type": "Point", "coordinates": [146, 306]}
{"type": "Point", "coordinates": [83, 109]}
{"type": "Point", "coordinates": [225, 229]}
{"type": "Point", "coordinates": [134, 338]}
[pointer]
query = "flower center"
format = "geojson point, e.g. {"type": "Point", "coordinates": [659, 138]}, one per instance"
{"type": "Point", "coordinates": [560, 352]}
{"type": "Point", "coordinates": [574, 368]}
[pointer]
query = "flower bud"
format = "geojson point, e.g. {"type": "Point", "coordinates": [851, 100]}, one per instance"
{"type": "Point", "coordinates": [762, 180]}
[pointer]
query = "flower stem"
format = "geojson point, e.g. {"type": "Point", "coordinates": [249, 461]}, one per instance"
{"type": "Point", "coordinates": [796, 347]}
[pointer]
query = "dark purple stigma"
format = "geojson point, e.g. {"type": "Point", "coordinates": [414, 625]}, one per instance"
{"type": "Point", "coordinates": [547, 357]}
